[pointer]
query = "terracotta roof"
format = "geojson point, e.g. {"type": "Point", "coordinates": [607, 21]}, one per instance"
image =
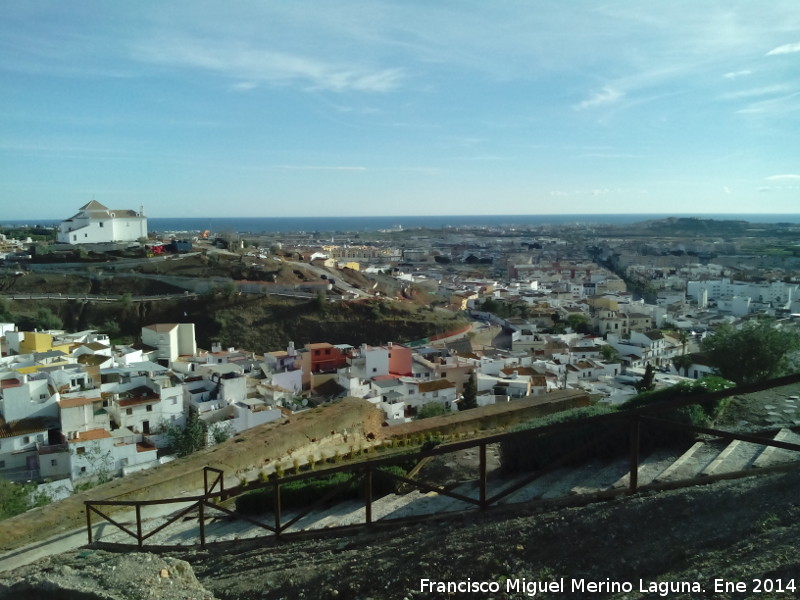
{"type": "Point", "coordinates": [22, 427]}
{"type": "Point", "coordinates": [77, 401]}
{"type": "Point", "coordinates": [436, 384]}
{"type": "Point", "coordinates": [93, 205]}
{"type": "Point", "coordinates": [527, 371]}
{"type": "Point", "coordinates": [319, 345]}
{"type": "Point", "coordinates": [92, 434]}
{"type": "Point", "coordinates": [136, 401]}
{"type": "Point", "coordinates": [9, 383]}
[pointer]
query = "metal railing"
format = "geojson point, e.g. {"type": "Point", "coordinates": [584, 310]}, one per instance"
{"type": "Point", "coordinates": [626, 423]}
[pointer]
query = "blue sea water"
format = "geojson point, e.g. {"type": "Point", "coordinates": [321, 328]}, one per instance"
{"type": "Point", "coordinates": [357, 224]}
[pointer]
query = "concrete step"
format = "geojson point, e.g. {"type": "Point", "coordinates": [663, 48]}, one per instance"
{"type": "Point", "coordinates": [536, 488]}
{"type": "Point", "coordinates": [737, 456]}
{"type": "Point", "coordinates": [771, 455]}
{"type": "Point", "coordinates": [691, 463]}
{"type": "Point", "coordinates": [571, 478]}
{"type": "Point", "coordinates": [603, 478]}
{"type": "Point", "coordinates": [649, 468]}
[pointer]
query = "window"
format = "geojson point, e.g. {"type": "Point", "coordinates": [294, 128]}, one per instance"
{"type": "Point", "coordinates": [149, 408]}
{"type": "Point", "coordinates": [53, 462]}
{"type": "Point", "coordinates": [128, 411]}
{"type": "Point", "coordinates": [2, 464]}
{"type": "Point", "coordinates": [27, 439]}
{"type": "Point", "coordinates": [42, 396]}
{"type": "Point", "coordinates": [101, 223]}
{"type": "Point", "coordinates": [80, 450]}
{"type": "Point", "coordinates": [83, 469]}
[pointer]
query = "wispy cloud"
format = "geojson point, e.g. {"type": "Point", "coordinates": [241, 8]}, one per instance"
{"type": "Point", "coordinates": [786, 177]}
{"type": "Point", "coordinates": [244, 86]}
{"type": "Point", "coordinates": [785, 49]}
{"type": "Point", "coordinates": [604, 97]}
{"type": "Point", "coordinates": [252, 65]}
{"type": "Point", "coordinates": [789, 103]}
{"type": "Point", "coordinates": [756, 92]}
{"type": "Point", "coordinates": [737, 74]}
{"type": "Point", "coordinates": [320, 168]}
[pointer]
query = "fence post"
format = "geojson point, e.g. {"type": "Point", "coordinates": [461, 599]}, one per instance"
{"type": "Point", "coordinates": [202, 516]}
{"type": "Point", "coordinates": [483, 476]}
{"type": "Point", "coordinates": [139, 540]}
{"type": "Point", "coordinates": [88, 521]}
{"type": "Point", "coordinates": [636, 424]}
{"type": "Point", "coordinates": [368, 494]}
{"type": "Point", "coordinates": [277, 510]}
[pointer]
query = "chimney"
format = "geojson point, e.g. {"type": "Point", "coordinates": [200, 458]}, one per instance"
{"type": "Point", "coordinates": [290, 350]}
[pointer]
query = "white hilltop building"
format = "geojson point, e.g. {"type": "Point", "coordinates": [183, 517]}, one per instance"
{"type": "Point", "coordinates": [96, 224]}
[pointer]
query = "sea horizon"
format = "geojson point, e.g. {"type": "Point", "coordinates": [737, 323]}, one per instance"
{"type": "Point", "coordinates": [267, 225]}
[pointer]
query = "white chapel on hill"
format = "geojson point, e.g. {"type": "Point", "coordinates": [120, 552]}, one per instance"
{"type": "Point", "coordinates": [96, 224]}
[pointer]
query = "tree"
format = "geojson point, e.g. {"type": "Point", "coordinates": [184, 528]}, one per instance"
{"type": "Point", "coordinates": [756, 352]}
{"type": "Point", "coordinates": [647, 382]}
{"type": "Point", "coordinates": [579, 323]}
{"type": "Point", "coordinates": [191, 438]}
{"type": "Point", "coordinates": [47, 319]}
{"type": "Point", "coordinates": [469, 398]}
{"type": "Point", "coordinates": [682, 363]}
{"type": "Point", "coordinates": [609, 353]}
{"type": "Point", "coordinates": [432, 409]}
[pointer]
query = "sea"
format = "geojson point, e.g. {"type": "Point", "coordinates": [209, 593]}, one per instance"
{"type": "Point", "coordinates": [273, 225]}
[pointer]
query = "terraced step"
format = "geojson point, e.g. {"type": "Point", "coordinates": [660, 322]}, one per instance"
{"type": "Point", "coordinates": [773, 456]}
{"type": "Point", "coordinates": [649, 468]}
{"type": "Point", "coordinates": [691, 463]}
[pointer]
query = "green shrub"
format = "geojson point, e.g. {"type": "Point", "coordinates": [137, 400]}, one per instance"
{"type": "Point", "coordinates": [699, 415]}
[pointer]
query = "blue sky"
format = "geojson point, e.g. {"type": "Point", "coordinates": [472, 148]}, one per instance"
{"type": "Point", "coordinates": [260, 108]}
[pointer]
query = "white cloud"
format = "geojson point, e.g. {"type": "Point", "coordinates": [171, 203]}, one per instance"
{"type": "Point", "coordinates": [756, 92]}
{"type": "Point", "coordinates": [320, 168]}
{"type": "Point", "coordinates": [252, 65]}
{"type": "Point", "coordinates": [737, 74]}
{"type": "Point", "coordinates": [726, 189]}
{"type": "Point", "coordinates": [786, 177]}
{"type": "Point", "coordinates": [604, 97]}
{"type": "Point", "coordinates": [785, 49]}
{"type": "Point", "coordinates": [244, 86]}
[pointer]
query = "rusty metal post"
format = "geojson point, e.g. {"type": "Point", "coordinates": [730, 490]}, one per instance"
{"type": "Point", "coordinates": [201, 505]}
{"type": "Point", "coordinates": [139, 539]}
{"type": "Point", "coordinates": [368, 494]}
{"type": "Point", "coordinates": [277, 510]}
{"type": "Point", "coordinates": [636, 426]}
{"type": "Point", "coordinates": [483, 476]}
{"type": "Point", "coordinates": [88, 521]}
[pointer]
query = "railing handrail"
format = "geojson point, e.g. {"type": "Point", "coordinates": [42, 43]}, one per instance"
{"type": "Point", "coordinates": [630, 417]}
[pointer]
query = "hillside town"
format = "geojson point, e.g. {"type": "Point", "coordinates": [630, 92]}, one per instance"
{"type": "Point", "coordinates": [547, 310]}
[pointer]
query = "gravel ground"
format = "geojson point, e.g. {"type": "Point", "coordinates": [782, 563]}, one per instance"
{"type": "Point", "coordinates": [736, 531]}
